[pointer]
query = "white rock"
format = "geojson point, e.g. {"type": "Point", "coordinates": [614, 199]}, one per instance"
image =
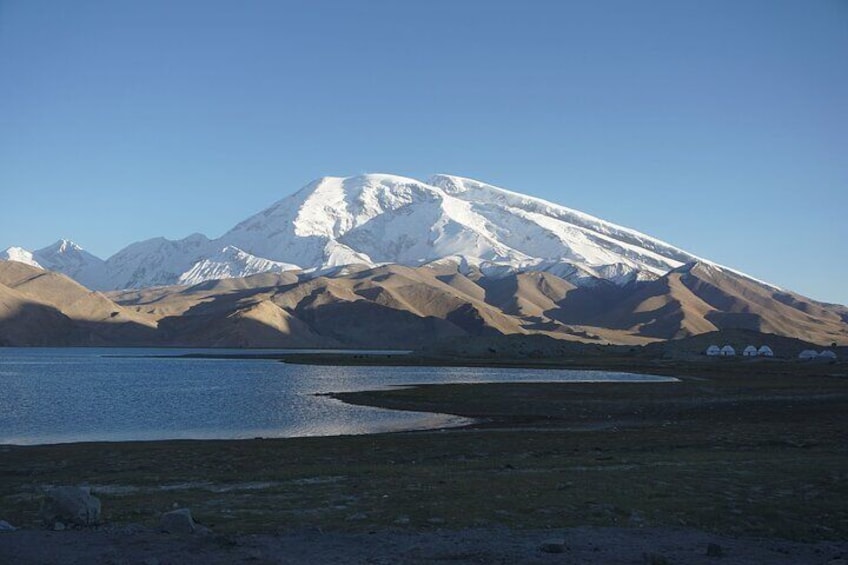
{"type": "Point", "coordinates": [74, 505]}
{"type": "Point", "coordinates": [177, 522]}
{"type": "Point", "coordinates": [6, 526]}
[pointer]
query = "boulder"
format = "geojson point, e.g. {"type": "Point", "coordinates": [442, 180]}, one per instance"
{"type": "Point", "coordinates": [6, 526]}
{"type": "Point", "coordinates": [72, 505]}
{"type": "Point", "coordinates": [177, 522]}
{"type": "Point", "coordinates": [654, 559]}
{"type": "Point", "coordinates": [556, 545]}
{"type": "Point", "coordinates": [714, 550]}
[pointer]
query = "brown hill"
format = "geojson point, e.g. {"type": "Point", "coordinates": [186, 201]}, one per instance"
{"type": "Point", "coordinates": [405, 307]}
{"type": "Point", "coordinates": [40, 307]}
{"type": "Point", "coordinates": [699, 298]}
{"type": "Point", "coordinates": [24, 321]}
{"type": "Point", "coordinates": [695, 346]}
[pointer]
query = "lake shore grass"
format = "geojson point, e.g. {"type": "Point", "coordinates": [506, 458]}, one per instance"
{"type": "Point", "coordinates": [733, 448]}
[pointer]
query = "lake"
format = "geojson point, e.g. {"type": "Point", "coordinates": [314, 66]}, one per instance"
{"type": "Point", "coordinates": [58, 395]}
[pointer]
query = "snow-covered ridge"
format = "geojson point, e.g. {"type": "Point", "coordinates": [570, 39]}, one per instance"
{"type": "Point", "coordinates": [376, 219]}
{"type": "Point", "coordinates": [20, 255]}
{"type": "Point", "coordinates": [230, 262]}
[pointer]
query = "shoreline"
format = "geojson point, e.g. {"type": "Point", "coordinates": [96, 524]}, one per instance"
{"type": "Point", "coordinates": [753, 462]}
{"type": "Point", "coordinates": [780, 441]}
{"type": "Point", "coordinates": [674, 370]}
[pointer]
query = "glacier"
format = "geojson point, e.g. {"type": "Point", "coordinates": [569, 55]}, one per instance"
{"type": "Point", "coordinates": [376, 219]}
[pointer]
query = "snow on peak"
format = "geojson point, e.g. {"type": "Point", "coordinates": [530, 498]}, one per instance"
{"type": "Point", "coordinates": [62, 246]}
{"type": "Point", "coordinates": [383, 218]}
{"type": "Point", "coordinates": [155, 262]}
{"type": "Point", "coordinates": [376, 218]}
{"type": "Point", "coordinates": [67, 257]}
{"type": "Point", "coordinates": [20, 255]}
{"type": "Point", "coordinates": [230, 262]}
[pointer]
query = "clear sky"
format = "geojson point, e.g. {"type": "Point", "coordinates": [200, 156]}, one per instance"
{"type": "Point", "coordinates": [720, 127]}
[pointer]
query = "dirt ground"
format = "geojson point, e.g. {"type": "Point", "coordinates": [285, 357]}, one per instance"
{"type": "Point", "coordinates": [135, 545]}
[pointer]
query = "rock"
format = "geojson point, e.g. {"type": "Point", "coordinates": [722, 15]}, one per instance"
{"type": "Point", "coordinates": [636, 518]}
{"type": "Point", "coordinates": [58, 527]}
{"type": "Point", "coordinates": [436, 521]}
{"type": "Point", "coordinates": [73, 505]}
{"type": "Point", "coordinates": [177, 522]}
{"type": "Point", "coordinates": [714, 550]}
{"type": "Point", "coordinates": [555, 545]}
{"type": "Point", "coordinates": [6, 526]}
{"type": "Point", "coordinates": [654, 559]}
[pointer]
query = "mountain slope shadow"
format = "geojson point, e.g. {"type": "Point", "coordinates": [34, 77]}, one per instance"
{"type": "Point", "coordinates": [366, 324]}
{"type": "Point", "coordinates": [239, 319]}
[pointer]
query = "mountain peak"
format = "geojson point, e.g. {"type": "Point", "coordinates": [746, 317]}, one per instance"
{"type": "Point", "coordinates": [451, 184]}
{"type": "Point", "coordinates": [20, 255]}
{"type": "Point", "coordinates": [692, 266]}
{"type": "Point", "coordinates": [61, 246]}
{"type": "Point", "coordinates": [64, 250]}
{"type": "Point", "coordinates": [382, 218]}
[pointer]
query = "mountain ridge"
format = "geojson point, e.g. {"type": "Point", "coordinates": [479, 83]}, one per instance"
{"type": "Point", "coordinates": [377, 219]}
{"type": "Point", "coordinates": [395, 306]}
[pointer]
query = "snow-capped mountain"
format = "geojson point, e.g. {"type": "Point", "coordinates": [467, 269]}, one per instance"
{"type": "Point", "coordinates": [155, 262]}
{"type": "Point", "coordinates": [376, 219]}
{"type": "Point", "coordinates": [20, 255]}
{"type": "Point", "coordinates": [65, 257]}
{"type": "Point", "coordinates": [231, 262]}
{"type": "Point", "coordinates": [68, 258]}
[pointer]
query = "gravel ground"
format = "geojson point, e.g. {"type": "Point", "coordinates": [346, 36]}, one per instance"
{"type": "Point", "coordinates": [137, 545]}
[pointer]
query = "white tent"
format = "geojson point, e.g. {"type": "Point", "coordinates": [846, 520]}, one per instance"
{"type": "Point", "coordinates": [750, 351]}
{"type": "Point", "coordinates": [765, 351]}
{"type": "Point", "coordinates": [728, 351]}
{"type": "Point", "coordinates": [713, 350]}
{"type": "Point", "coordinates": [827, 354]}
{"type": "Point", "coordinates": [808, 354]}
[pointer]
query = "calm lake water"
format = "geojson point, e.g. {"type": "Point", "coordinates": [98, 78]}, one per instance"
{"type": "Point", "coordinates": [67, 395]}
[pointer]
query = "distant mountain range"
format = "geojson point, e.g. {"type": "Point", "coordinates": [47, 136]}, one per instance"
{"type": "Point", "coordinates": [382, 260]}
{"type": "Point", "coordinates": [382, 219]}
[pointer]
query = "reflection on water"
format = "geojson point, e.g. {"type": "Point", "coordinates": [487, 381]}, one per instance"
{"type": "Point", "coordinates": [65, 395]}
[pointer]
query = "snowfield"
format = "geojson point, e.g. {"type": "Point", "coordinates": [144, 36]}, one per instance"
{"type": "Point", "coordinates": [376, 219]}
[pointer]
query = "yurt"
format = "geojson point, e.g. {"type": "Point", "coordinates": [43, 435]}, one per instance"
{"type": "Point", "coordinates": [750, 351]}
{"type": "Point", "coordinates": [827, 354]}
{"type": "Point", "coordinates": [808, 354]}
{"type": "Point", "coordinates": [728, 351]}
{"type": "Point", "coordinates": [713, 351]}
{"type": "Point", "coordinates": [765, 351]}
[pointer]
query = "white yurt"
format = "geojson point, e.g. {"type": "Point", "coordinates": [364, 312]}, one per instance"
{"type": "Point", "coordinates": [765, 351]}
{"type": "Point", "coordinates": [827, 354]}
{"type": "Point", "coordinates": [728, 351]}
{"type": "Point", "coordinates": [808, 354]}
{"type": "Point", "coordinates": [713, 351]}
{"type": "Point", "coordinates": [750, 351]}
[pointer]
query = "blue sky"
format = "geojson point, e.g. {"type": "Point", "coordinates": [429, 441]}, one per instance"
{"type": "Point", "coordinates": [720, 127]}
